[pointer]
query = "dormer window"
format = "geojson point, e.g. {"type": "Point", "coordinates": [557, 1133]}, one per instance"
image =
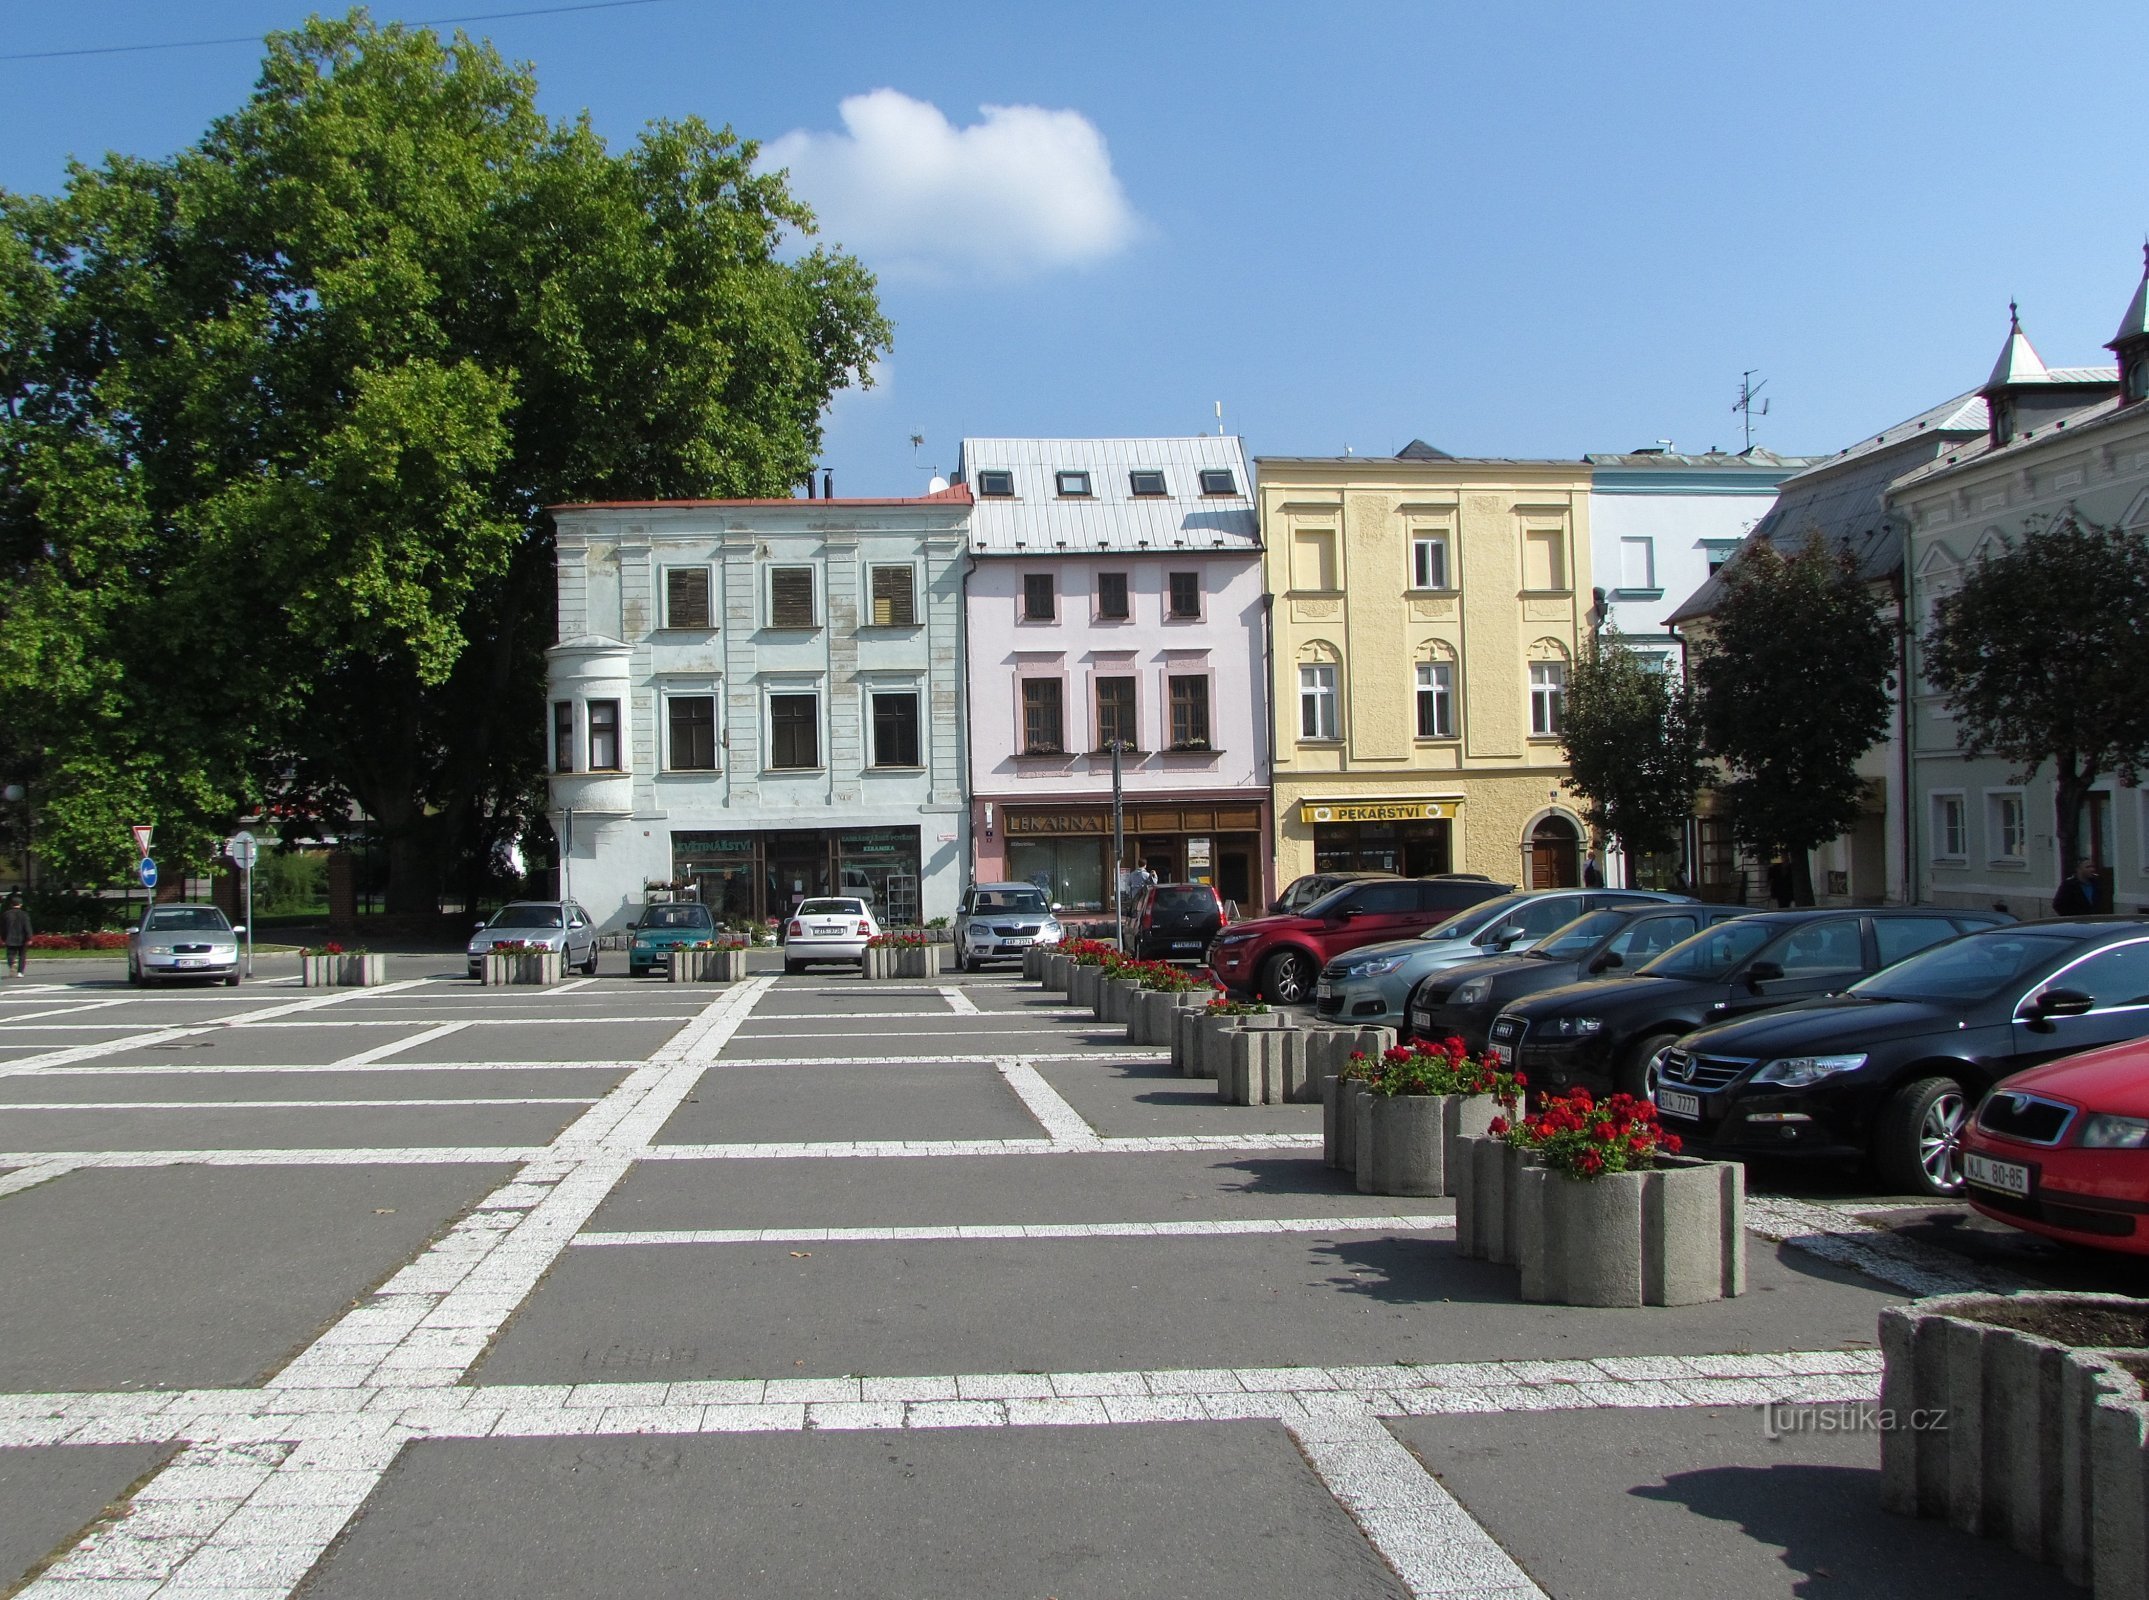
{"type": "Point", "coordinates": [1144, 482]}
{"type": "Point", "coordinates": [1218, 480]}
{"type": "Point", "coordinates": [996, 484]}
{"type": "Point", "coordinates": [1071, 485]}
{"type": "Point", "coordinates": [2003, 419]}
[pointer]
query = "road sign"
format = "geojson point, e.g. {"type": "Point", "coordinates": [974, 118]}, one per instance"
{"type": "Point", "coordinates": [243, 849]}
{"type": "Point", "coordinates": [146, 870]}
{"type": "Point", "coordinates": [141, 832]}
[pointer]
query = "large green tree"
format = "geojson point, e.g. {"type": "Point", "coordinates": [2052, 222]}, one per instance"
{"type": "Point", "coordinates": [2042, 652]}
{"type": "Point", "coordinates": [1633, 743]}
{"type": "Point", "coordinates": [283, 412]}
{"type": "Point", "coordinates": [1793, 675]}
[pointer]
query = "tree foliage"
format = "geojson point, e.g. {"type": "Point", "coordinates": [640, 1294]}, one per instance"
{"type": "Point", "coordinates": [2042, 652]}
{"type": "Point", "coordinates": [1633, 743]}
{"type": "Point", "coordinates": [279, 417]}
{"type": "Point", "coordinates": [1793, 680]}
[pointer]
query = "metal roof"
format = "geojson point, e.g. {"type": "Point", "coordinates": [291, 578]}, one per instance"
{"type": "Point", "coordinates": [1981, 448]}
{"type": "Point", "coordinates": [954, 495]}
{"type": "Point", "coordinates": [2019, 361]}
{"type": "Point", "coordinates": [2135, 324]}
{"type": "Point", "coordinates": [1038, 519]}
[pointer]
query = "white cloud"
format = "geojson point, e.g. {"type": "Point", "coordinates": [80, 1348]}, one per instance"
{"type": "Point", "coordinates": [1025, 190]}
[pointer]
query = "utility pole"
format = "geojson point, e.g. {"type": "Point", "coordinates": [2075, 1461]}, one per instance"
{"type": "Point", "coordinates": [1119, 850]}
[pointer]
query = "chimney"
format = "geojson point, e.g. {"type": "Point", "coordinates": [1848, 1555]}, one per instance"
{"type": "Point", "coordinates": [828, 484]}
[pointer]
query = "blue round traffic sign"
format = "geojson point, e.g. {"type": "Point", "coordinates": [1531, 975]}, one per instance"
{"type": "Point", "coordinates": [147, 872]}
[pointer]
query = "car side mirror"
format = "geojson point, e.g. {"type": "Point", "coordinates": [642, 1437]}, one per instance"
{"type": "Point", "coordinates": [2062, 1003]}
{"type": "Point", "coordinates": [1762, 972]}
{"type": "Point", "coordinates": [1607, 961]}
{"type": "Point", "coordinates": [1056, 906]}
{"type": "Point", "coordinates": [477, 924]}
{"type": "Point", "coordinates": [1510, 934]}
{"type": "Point", "coordinates": [241, 928]}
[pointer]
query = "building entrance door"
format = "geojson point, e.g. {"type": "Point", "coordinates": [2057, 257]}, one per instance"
{"type": "Point", "coordinates": [797, 868]}
{"type": "Point", "coordinates": [1555, 851]}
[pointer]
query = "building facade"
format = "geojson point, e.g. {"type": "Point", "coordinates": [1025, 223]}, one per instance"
{"type": "Point", "coordinates": [1114, 595]}
{"type": "Point", "coordinates": [753, 701]}
{"type": "Point", "coordinates": [1424, 618]}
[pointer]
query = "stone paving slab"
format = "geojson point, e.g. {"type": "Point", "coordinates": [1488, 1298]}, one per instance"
{"type": "Point", "coordinates": [749, 1105]}
{"type": "Point", "coordinates": [1123, 1099]}
{"type": "Point", "coordinates": [1200, 1511]}
{"type": "Point", "coordinates": [107, 1084]}
{"type": "Point", "coordinates": [199, 1275]}
{"type": "Point", "coordinates": [1699, 1504]}
{"type": "Point", "coordinates": [354, 1128]}
{"type": "Point", "coordinates": [48, 1495]}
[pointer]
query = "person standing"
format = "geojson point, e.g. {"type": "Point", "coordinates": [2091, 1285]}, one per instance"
{"type": "Point", "coordinates": [1780, 882]}
{"type": "Point", "coordinates": [1592, 874]}
{"type": "Point", "coordinates": [2077, 897]}
{"type": "Point", "coordinates": [15, 934]}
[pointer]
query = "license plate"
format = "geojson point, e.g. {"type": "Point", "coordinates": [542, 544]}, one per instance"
{"type": "Point", "coordinates": [2009, 1177]}
{"type": "Point", "coordinates": [1498, 1054]}
{"type": "Point", "coordinates": [1186, 944]}
{"type": "Point", "coordinates": [1674, 1104]}
{"type": "Point", "coordinates": [827, 930]}
{"type": "Point", "coordinates": [190, 961]}
{"type": "Point", "coordinates": [1324, 991]}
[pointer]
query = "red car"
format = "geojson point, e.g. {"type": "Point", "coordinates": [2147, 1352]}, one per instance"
{"type": "Point", "coordinates": [2063, 1149]}
{"type": "Point", "coordinates": [1279, 958]}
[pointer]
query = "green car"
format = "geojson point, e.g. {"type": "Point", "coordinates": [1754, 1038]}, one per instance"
{"type": "Point", "coordinates": [665, 926]}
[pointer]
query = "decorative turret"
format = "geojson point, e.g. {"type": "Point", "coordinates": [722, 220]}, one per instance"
{"type": "Point", "coordinates": [2018, 368]}
{"type": "Point", "coordinates": [2131, 342]}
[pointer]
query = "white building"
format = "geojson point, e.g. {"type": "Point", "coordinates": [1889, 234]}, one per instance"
{"type": "Point", "coordinates": [753, 701]}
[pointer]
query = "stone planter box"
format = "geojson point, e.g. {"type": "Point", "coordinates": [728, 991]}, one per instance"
{"type": "Point", "coordinates": [1084, 985]}
{"type": "Point", "coordinates": [1201, 1046]}
{"type": "Point", "coordinates": [2044, 1443]}
{"type": "Point", "coordinates": [705, 966]}
{"type": "Point", "coordinates": [1153, 1014]}
{"type": "Point", "coordinates": [1265, 1067]}
{"type": "Point", "coordinates": [1329, 1049]}
{"type": "Point", "coordinates": [342, 972]}
{"type": "Point", "coordinates": [1339, 1122]}
{"type": "Point", "coordinates": [1405, 1142]}
{"type": "Point", "coordinates": [1673, 1236]}
{"type": "Point", "coordinates": [542, 966]}
{"type": "Point", "coordinates": [1033, 964]}
{"type": "Point", "coordinates": [1114, 996]}
{"type": "Point", "coordinates": [901, 961]}
{"type": "Point", "coordinates": [1487, 1181]}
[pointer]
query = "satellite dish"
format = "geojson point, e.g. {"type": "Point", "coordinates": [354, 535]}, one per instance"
{"type": "Point", "coordinates": [937, 484]}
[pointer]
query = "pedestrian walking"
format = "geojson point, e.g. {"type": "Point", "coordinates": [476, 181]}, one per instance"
{"type": "Point", "coordinates": [1780, 882]}
{"type": "Point", "coordinates": [1592, 874]}
{"type": "Point", "coordinates": [15, 933]}
{"type": "Point", "coordinates": [2077, 897]}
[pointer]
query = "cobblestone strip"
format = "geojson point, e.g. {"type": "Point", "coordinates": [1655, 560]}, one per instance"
{"type": "Point", "coordinates": [1025, 1230]}
{"type": "Point", "coordinates": [1835, 1235]}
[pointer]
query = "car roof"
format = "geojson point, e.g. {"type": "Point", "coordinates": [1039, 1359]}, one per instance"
{"type": "Point", "coordinates": [1029, 886]}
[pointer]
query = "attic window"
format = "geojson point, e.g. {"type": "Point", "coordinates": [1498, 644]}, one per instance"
{"type": "Point", "coordinates": [1145, 482]}
{"type": "Point", "coordinates": [996, 485]}
{"type": "Point", "coordinates": [1072, 485]}
{"type": "Point", "coordinates": [1218, 480]}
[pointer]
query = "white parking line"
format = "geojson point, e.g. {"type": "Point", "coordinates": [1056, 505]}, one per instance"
{"type": "Point", "coordinates": [1060, 1120]}
{"type": "Point", "coordinates": [286, 1105]}
{"type": "Point", "coordinates": [1223, 1228]}
{"type": "Point", "coordinates": [958, 1002]}
{"type": "Point", "coordinates": [381, 1052]}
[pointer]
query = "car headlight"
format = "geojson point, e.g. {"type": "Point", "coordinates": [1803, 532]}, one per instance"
{"type": "Point", "coordinates": [160, 949]}
{"type": "Point", "coordinates": [1571, 1027]}
{"type": "Point", "coordinates": [1371, 967]}
{"type": "Point", "coordinates": [1470, 992]}
{"type": "Point", "coordinates": [2103, 1132]}
{"type": "Point", "coordinates": [1795, 1072]}
{"type": "Point", "coordinates": [1051, 929]}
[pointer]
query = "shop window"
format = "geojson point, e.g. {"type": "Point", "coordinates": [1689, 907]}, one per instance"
{"type": "Point", "coordinates": [563, 736]}
{"type": "Point", "coordinates": [1070, 871]}
{"type": "Point", "coordinates": [790, 597]}
{"type": "Point", "coordinates": [895, 729]}
{"type": "Point", "coordinates": [1115, 713]}
{"type": "Point", "coordinates": [1190, 712]}
{"type": "Point", "coordinates": [1185, 590]}
{"type": "Point", "coordinates": [894, 597]}
{"type": "Point", "coordinates": [1317, 701]}
{"type": "Point", "coordinates": [686, 597]}
{"type": "Point", "coordinates": [1043, 726]}
{"type": "Point", "coordinates": [1038, 600]}
{"type": "Point", "coordinates": [794, 731]}
{"type": "Point", "coordinates": [1112, 597]}
{"type": "Point", "coordinates": [692, 745]}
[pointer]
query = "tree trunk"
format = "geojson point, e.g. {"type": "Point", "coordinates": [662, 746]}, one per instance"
{"type": "Point", "coordinates": [2070, 793]}
{"type": "Point", "coordinates": [1801, 877]}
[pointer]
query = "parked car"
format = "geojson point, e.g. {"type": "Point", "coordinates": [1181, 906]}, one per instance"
{"type": "Point", "coordinates": [1604, 1034]}
{"type": "Point", "coordinates": [2057, 1150]}
{"type": "Point", "coordinates": [1371, 984]}
{"type": "Point", "coordinates": [998, 921]}
{"type": "Point", "coordinates": [1460, 1002]}
{"type": "Point", "coordinates": [183, 941]}
{"type": "Point", "coordinates": [1278, 957]}
{"type": "Point", "coordinates": [1890, 1069]}
{"type": "Point", "coordinates": [827, 928]}
{"type": "Point", "coordinates": [1175, 922]}
{"type": "Point", "coordinates": [1301, 892]}
{"type": "Point", "coordinates": [560, 925]}
{"type": "Point", "coordinates": [665, 926]}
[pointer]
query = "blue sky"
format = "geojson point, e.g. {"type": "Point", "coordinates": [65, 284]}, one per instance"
{"type": "Point", "coordinates": [1528, 230]}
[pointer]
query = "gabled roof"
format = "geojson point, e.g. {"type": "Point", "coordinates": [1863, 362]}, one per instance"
{"type": "Point", "coordinates": [1039, 521]}
{"type": "Point", "coordinates": [2044, 435]}
{"type": "Point", "coordinates": [1419, 450]}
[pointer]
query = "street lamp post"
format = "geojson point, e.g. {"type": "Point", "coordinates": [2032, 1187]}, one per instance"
{"type": "Point", "coordinates": [1119, 850]}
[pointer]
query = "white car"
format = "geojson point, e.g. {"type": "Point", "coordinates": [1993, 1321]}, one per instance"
{"type": "Point", "coordinates": [560, 925]}
{"type": "Point", "coordinates": [183, 942]}
{"type": "Point", "coordinates": [827, 928]}
{"type": "Point", "coordinates": [998, 921]}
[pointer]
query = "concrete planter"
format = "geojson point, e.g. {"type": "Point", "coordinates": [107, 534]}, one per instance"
{"type": "Point", "coordinates": [1405, 1142]}
{"type": "Point", "coordinates": [317, 972]}
{"type": "Point", "coordinates": [704, 966]}
{"type": "Point", "coordinates": [540, 967]}
{"type": "Point", "coordinates": [1264, 1067]}
{"type": "Point", "coordinates": [1339, 1122]}
{"type": "Point", "coordinates": [1033, 964]}
{"type": "Point", "coordinates": [361, 971]}
{"type": "Point", "coordinates": [1487, 1181]}
{"type": "Point", "coordinates": [2045, 1445]}
{"type": "Point", "coordinates": [1114, 997]}
{"type": "Point", "coordinates": [901, 961]}
{"type": "Point", "coordinates": [1153, 1015]}
{"type": "Point", "coordinates": [1202, 1045]}
{"type": "Point", "coordinates": [1084, 985]}
{"type": "Point", "coordinates": [1673, 1236]}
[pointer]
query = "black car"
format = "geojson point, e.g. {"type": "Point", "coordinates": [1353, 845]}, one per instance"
{"type": "Point", "coordinates": [1175, 922]}
{"type": "Point", "coordinates": [1890, 1070]}
{"type": "Point", "coordinates": [1460, 1002]}
{"type": "Point", "coordinates": [1603, 1035]}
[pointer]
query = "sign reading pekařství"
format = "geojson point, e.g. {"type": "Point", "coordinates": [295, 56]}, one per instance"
{"type": "Point", "coordinates": [1377, 810]}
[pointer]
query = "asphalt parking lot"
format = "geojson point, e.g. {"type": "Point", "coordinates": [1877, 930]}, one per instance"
{"type": "Point", "coordinates": [812, 1286]}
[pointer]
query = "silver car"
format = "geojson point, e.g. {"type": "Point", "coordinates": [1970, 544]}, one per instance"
{"type": "Point", "coordinates": [183, 942]}
{"type": "Point", "coordinates": [560, 925]}
{"type": "Point", "coordinates": [998, 921]}
{"type": "Point", "coordinates": [1372, 984]}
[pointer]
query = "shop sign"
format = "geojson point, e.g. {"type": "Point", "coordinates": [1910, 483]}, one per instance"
{"type": "Point", "coordinates": [1058, 822]}
{"type": "Point", "coordinates": [1197, 854]}
{"type": "Point", "coordinates": [1376, 810]}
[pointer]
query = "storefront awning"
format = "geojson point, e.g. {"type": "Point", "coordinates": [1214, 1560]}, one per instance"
{"type": "Point", "coordinates": [1378, 810]}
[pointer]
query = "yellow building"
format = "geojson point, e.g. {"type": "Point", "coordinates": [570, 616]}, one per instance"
{"type": "Point", "coordinates": [1424, 618]}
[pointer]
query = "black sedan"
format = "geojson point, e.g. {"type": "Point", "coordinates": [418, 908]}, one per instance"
{"type": "Point", "coordinates": [1603, 1035]}
{"type": "Point", "coordinates": [1460, 1002]}
{"type": "Point", "coordinates": [1891, 1070]}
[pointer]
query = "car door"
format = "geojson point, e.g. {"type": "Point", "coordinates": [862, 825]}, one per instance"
{"type": "Point", "coordinates": [1374, 913]}
{"type": "Point", "coordinates": [1534, 919]}
{"type": "Point", "coordinates": [1812, 958]}
{"type": "Point", "coordinates": [1644, 939]}
{"type": "Point", "coordinates": [580, 935]}
{"type": "Point", "coordinates": [2116, 979]}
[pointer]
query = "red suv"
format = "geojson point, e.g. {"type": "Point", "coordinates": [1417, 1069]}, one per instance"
{"type": "Point", "coordinates": [1279, 958]}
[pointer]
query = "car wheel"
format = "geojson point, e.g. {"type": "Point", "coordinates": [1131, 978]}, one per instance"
{"type": "Point", "coordinates": [1287, 976]}
{"type": "Point", "coordinates": [134, 975]}
{"type": "Point", "coordinates": [232, 982]}
{"type": "Point", "coordinates": [589, 967]}
{"type": "Point", "coordinates": [1917, 1147]}
{"type": "Point", "coordinates": [792, 967]}
{"type": "Point", "coordinates": [1638, 1074]}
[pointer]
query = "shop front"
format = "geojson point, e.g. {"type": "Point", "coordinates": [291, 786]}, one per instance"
{"type": "Point", "coordinates": [758, 875]}
{"type": "Point", "coordinates": [1414, 838]}
{"type": "Point", "coordinates": [1067, 849]}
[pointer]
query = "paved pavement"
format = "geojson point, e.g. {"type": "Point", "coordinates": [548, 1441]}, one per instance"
{"type": "Point", "coordinates": [811, 1286]}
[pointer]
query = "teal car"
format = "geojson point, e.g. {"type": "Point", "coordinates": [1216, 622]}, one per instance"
{"type": "Point", "coordinates": [665, 926]}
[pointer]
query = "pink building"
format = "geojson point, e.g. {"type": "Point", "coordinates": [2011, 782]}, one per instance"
{"type": "Point", "coordinates": [1115, 594]}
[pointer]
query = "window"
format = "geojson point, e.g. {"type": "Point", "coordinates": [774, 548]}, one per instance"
{"type": "Point", "coordinates": [895, 729]}
{"type": "Point", "coordinates": [1115, 713]}
{"type": "Point", "coordinates": [794, 730]}
{"type": "Point", "coordinates": [692, 746]}
{"type": "Point", "coordinates": [1218, 480]}
{"type": "Point", "coordinates": [1637, 564]}
{"type": "Point", "coordinates": [1897, 937]}
{"type": "Point", "coordinates": [1436, 700]}
{"type": "Point", "coordinates": [1144, 482]}
{"type": "Point", "coordinates": [604, 736]}
{"type": "Point", "coordinates": [1313, 559]}
{"type": "Point", "coordinates": [1951, 841]}
{"type": "Point", "coordinates": [1112, 597]}
{"type": "Point", "coordinates": [997, 484]}
{"type": "Point", "coordinates": [1429, 561]}
{"type": "Point", "coordinates": [686, 597]}
{"type": "Point", "coordinates": [1822, 950]}
{"type": "Point", "coordinates": [1544, 559]}
{"type": "Point", "coordinates": [1719, 551]}
{"type": "Point", "coordinates": [563, 736]}
{"type": "Point", "coordinates": [1190, 712]}
{"type": "Point", "coordinates": [1548, 691]}
{"type": "Point", "coordinates": [2005, 821]}
{"type": "Point", "coordinates": [790, 597]}
{"type": "Point", "coordinates": [1043, 731]}
{"type": "Point", "coordinates": [1317, 701]}
{"type": "Point", "coordinates": [1657, 663]}
{"type": "Point", "coordinates": [1037, 598]}
{"type": "Point", "coordinates": [894, 597]}
{"type": "Point", "coordinates": [1385, 899]}
{"type": "Point", "coordinates": [1185, 590]}
{"type": "Point", "coordinates": [2115, 977]}
{"type": "Point", "coordinates": [1072, 485]}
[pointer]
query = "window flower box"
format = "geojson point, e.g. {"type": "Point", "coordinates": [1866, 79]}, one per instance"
{"type": "Point", "coordinates": [523, 966]}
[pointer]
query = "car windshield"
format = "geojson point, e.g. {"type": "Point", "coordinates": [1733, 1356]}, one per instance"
{"type": "Point", "coordinates": [526, 917]}
{"type": "Point", "coordinates": [1011, 900]}
{"type": "Point", "coordinates": [832, 908]}
{"type": "Point", "coordinates": [1467, 921]}
{"type": "Point", "coordinates": [678, 917]}
{"type": "Point", "coordinates": [1578, 937]}
{"type": "Point", "coordinates": [1712, 953]}
{"type": "Point", "coordinates": [188, 919]}
{"type": "Point", "coordinates": [1976, 967]}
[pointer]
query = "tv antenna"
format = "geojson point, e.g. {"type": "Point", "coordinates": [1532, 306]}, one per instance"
{"type": "Point", "coordinates": [1219, 419]}
{"type": "Point", "coordinates": [1745, 406]}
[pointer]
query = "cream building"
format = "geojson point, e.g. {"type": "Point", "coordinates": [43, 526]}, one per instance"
{"type": "Point", "coordinates": [1423, 620]}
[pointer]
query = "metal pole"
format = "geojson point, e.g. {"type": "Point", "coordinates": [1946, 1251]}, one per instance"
{"type": "Point", "coordinates": [249, 919]}
{"type": "Point", "coordinates": [1119, 851]}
